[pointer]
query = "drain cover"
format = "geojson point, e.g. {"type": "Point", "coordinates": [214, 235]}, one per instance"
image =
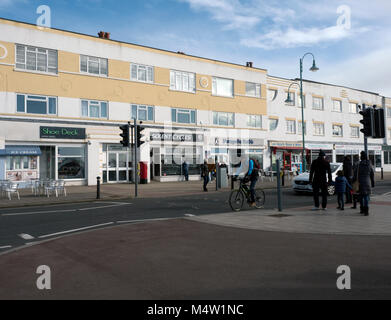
{"type": "Point", "coordinates": [280, 215]}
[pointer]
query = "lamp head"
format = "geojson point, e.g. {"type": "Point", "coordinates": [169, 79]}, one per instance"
{"type": "Point", "coordinates": [314, 68]}
{"type": "Point", "coordinates": [289, 99]}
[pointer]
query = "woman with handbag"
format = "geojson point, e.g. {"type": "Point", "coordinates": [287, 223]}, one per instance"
{"type": "Point", "coordinates": [364, 181]}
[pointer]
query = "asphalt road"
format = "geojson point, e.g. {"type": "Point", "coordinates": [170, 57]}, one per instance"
{"type": "Point", "coordinates": [19, 226]}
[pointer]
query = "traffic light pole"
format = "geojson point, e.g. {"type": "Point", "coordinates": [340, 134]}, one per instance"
{"type": "Point", "coordinates": [135, 165]}
{"type": "Point", "coordinates": [365, 138]}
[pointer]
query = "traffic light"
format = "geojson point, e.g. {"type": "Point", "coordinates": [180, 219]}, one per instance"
{"type": "Point", "coordinates": [368, 117]}
{"type": "Point", "coordinates": [125, 136]}
{"type": "Point", "coordinates": [379, 124]}
{"type": "Point", "coordinates": [140, 132]}
{"type": "Point", "coordinates": [239, 153]}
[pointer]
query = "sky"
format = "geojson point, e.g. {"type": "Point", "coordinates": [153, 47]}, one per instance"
{"type": "Point", "coordinates": [350, 39]}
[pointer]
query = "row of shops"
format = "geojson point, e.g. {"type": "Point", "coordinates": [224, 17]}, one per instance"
{"type": "Point", "coordinates": [80, 154]}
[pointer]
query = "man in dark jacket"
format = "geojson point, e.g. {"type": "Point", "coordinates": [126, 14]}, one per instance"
{"type": "Point", "coordinates": [320, 172]}
{"type": "Point", "coordinates": [205, 175]}
{"type": "Point", "coordinates": [348, 173]}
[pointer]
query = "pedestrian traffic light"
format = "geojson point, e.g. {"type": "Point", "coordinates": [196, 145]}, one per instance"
{"type": "Point", "coordinates": [368, 117]}
{"type": "Point", "coordinates": [239, 153]}
{"type": "Point", "coordinates": [125, 135]}
{"type": "Point", "coordinates": [379, 124]}
{"type": "Point", "coordinates": [140, 136]}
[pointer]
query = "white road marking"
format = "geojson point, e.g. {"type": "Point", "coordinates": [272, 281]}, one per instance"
{"type": "Point", "coordinates": [26, 236]}
{"type": "Point", "coordinates": [189, 215]}
{"type": "Point", "coordinates": [102, 207]}
{"type": "Point", "coordinates": [36, 212]}
{"type": "Point", "coordinates": [75, 230]}
{"type": "Point", "coordinates": [145, 220]}
{"type": "Point", "coordinates": [5, 247]}
{"type": "Point", "coordinates": [387, 194]}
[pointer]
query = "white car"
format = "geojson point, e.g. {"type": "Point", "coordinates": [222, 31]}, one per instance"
{"type": "Point", "coordinates": [302, 182]}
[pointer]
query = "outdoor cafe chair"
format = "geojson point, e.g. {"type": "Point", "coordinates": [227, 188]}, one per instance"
{"type": "Point", "coordinates": [11, 188]}
{"type": "Point", "coordinates": [60, 188]}
{"type": "Point", "coordinates": [51, 186]}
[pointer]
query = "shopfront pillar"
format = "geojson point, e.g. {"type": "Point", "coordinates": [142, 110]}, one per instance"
{"type": "Point", "coordinates": [93, 152]}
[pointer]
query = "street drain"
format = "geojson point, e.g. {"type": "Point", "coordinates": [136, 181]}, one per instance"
{"type": "Point", "coordinates": [280, 215]}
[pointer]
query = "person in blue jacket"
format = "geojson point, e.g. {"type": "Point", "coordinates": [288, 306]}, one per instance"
{"type": "Point", "coordinates": [341, 186]}
{"type": "Point", "coordinates": [252, 174]}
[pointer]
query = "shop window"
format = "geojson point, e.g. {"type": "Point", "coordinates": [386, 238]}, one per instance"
{"type": "Point", "coordinates": [174, 156]}
{"type": "Point", "coordinates": [36, 59]}
{"type": "Point", "coordinates": [224, 119]}
{"type": "Point", "coordinates": [21, 167]}
{"type": "Point", "coordinates": [273, 124]}
{"type": "Point", "coordinates": [71, 163]}
{"type": "Point", "coordinates": [142, 73]}
{"type": "Point", "coordinates": [253, 90]}
{"type": "Point", "coordinates": [36, 104]}
{"type": "Point", "coordinates": [387, 157]}
{"type": "Point", "coordinates": [94, 109]}
{"type": "Point", "coordinates": [143, 113]}
{"type": "Point", "coordinates": [182, 81]}
{"type": "Point", "coordinates": [222, 87]}
{"type": "Point", "coordinates": [93, 65]}
{"type": "Point", "coordinates": [183, 116]}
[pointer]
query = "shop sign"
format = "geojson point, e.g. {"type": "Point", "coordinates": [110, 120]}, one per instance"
{"type": "Point", "coordinates": [284, 144]}
{"type": "Point", "coordinates": [176, 137]}
{"type": "Point", "coordinates": [62, 133]}
{"type": "Point", "coordinates": [238, 142]}
{"type": "Point", "coordinates": [313, 146]}
{"type": "Point", "coordinates": [386, 148]}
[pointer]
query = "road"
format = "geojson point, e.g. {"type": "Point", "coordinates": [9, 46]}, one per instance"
{"type": "Point", "coordinates": [20, 226]}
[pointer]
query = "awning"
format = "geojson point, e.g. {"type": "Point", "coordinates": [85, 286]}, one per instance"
{"type": "Point", "coordinates": [20, 151]}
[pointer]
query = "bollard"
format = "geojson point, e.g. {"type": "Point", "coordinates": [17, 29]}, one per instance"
{"type": "Point", "coordinates": [279, 186]}
{"type": "Point", "coordinates": [98, 188]}
{"type": "Point", "coordinates": [382, 173]}
{"type": "Point", "coordinates": [232, 183]}
{"type": "Point", "coordinates": [283, 177]}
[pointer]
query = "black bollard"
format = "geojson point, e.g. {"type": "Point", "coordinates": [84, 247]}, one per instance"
{"type": "Point", "coordinates": [98, 188]}
{"type": "Point", "coordinates": [382, 173]}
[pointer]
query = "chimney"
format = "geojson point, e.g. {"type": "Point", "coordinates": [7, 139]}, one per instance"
{"type": "Point", "coordinates": [104, 35]}
{"type": "Point", "coordinates": [249, 64]}
{"type": "Point", "coordinates": [180, 52]}
{"type": "Point", "coordinates": [107, 35]}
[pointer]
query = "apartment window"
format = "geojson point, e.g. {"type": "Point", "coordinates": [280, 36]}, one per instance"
{"type": "Point", "coordinates": [299, 101]}
{"type": "Point", "coordinates": [300, 128]}
{"type": "Point", "coordinates": [94, 109]}
{"type": "Point", "coordinates": [292, 95]}
{"type": "Point", "coordinates": [183, 116]}
{"type": "Point", "coordinates": [182, 81]}
{"type": "Point", "coordinates": [142, 73]}
{"type": "Point", "coordinates": [253, 90]}
{"type": "Point", "coordinates": [143, 113]}
{"type": "Point", "coordinates": [337, 130]}
{"type": "Point", "coordinates": [353, 108]}
{"type": "Point", "coordinates": [36, 59]}
{"type": "Point", "coordinates": [388, 112]}
{"type": "Point", "coordinates": [337, 106]}
{"type": "Point", "coordinates": [389, 133]}
{"type": "Point", "coordinates": [254, 121]}
{"type": "Point", "coordinates": [272, 94]}
{"type": "Point", "coordinates": [387, 157]}
{"type": "Point", "coordinates": [36, 104]}
{"type": "Point", "coordinates": [223, 87]}
{"type": "Point", "coordinates": [355, 132]}
{"type": "Point", "coordinates": [291, 126]}
{"type": "Point", "coordinates": [93, 65]}
{"type": "Point", "coordinates": [319, 129]}
{"type": "Point", "coordinates": [273, 124]}
{"type": "Point", "coordinates": [224, 119]}
{"type": "Point", "coordinates": [317, 103]}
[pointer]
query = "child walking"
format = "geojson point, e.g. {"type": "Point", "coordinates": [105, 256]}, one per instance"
{"type": "Point", "coordinates": [341, 183]}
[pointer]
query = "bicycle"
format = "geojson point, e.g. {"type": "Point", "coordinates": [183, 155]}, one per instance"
{"type": "Point", "coordinates": [236, 198]}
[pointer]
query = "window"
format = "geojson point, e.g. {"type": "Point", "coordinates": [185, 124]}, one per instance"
{"type": "Point", "coordinates": [389, 133]}
{"type": "Point", "coordinates": [300, 128]}
{"type": "Point", "coordinates": [273, 124]}
{"type": "Point", "coordinates": [222, 87]}
{"type": "Point", "coordinates": [183, 116]}
{"type": "Point", "coordinates": [21, 163]}
{"type": "Point", "coordinates": [36, 104]}
{"type": "Point", "coordinates": [291, 126]}
{"type": "Point", "coordinates": [36, 59]}
{"type": "Point", "coordinates": [355, 132]}
{"type": "Point", "coordinates": [292, 95]}
{"type": "Point", "coordinates": [319, 129]}
{"type": "Point", "coordinates": [143, 113]}
{"type": "Point", "coordinates": [317, 103]}
{"type": "Point", "coordinates": [94, 109]}
{"type": "Point", "coordinates": [387, 157]}
{"type": "Point", "coordinates": [71, 163]}
{"type": "Point", "coordinates": [353, 108]}
{"type": "Point", "coordinates": [182, 81]}
{"type": "Point", "coordinates": [299, 101]}
{"type": "Point", "coordinates": [141, 73]}
{"type": "Point", "coordinates": [254, 121]}
{"type": "Point", "coordinates": [337, 130]}
{"type": "Point", "coordinates": [272, 94]}
{"type": "Point", "coordinates": [388, 112]}
{"type": "Point", "coordinates": [93, 65]}
{"type": "Point", "coordinates": [337, 106]}
{"type": "Point", "coordinates": [253, 90]}
{"type": "Point", "coordinates": [224, 119]}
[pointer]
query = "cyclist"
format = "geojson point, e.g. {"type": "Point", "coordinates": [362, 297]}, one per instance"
{"type": "Point", "coordinates": [252, 174]}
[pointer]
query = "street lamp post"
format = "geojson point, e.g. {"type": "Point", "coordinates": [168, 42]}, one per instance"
{"type": "Point", "coordinates": [314, 68]}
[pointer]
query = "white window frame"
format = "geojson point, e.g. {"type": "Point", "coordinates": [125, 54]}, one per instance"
{"type": "Point", "coordinates": [319, 125]}
{"type": "Point", "coordinates": [313, 103]}
{"type": "Point", "coordinates": [299, 128]}
{"type": "Point", "coordinates": [182, 81]}
{"type": "Point", "coordinates": [94, 102]}
{"type": "Point", "coordinates": [258, 90]}
{"type": "Point", "coordinates": [277, 124]}
{"type": "Point", "coordinates": [184, 111]}
{"type": "Point", "coordinates": [253, 120]}
{"type": "Point", "coordinates": [149, 70]}
{"type": "Point", "coordinates": [356, 110]}
{"type": "Point", "coordinates": [144, 108]}
{"type": "Point", "coordinates": [274, 92]}
{"type": "Point", "coordinates": [289, 126]}
{"type": "Point", "coordinates": [230, 118]}
{"type": "Point", "coordinates": [28, 97]}
{"type": "Point", "coordinates": [89, 58]}
{"type": "Point", "coordinates": [334, 127]}
{"type": "Point", "coordinates": [339, 109]}
{"type": "Point", "coordinates": [22, 65]}
{"type": "Point", "coordinates": [354, 129]}
{"type": "Point", "coordinates": [215, 87]}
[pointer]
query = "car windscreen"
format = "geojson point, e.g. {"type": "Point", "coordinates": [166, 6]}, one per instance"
{"type": "Point", "coordinates": [334, 167]}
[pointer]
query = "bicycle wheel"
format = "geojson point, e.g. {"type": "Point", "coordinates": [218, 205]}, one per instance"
{"type": "Point", "coordinates": [236, 200]}
{"type": "Point", "coordinates": [259, 198]}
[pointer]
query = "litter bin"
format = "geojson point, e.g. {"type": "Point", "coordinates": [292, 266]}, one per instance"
{"type": "Point", "coordinates": [222, 178]}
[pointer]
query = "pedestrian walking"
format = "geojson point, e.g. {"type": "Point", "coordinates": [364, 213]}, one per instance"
{"type": "Point", "coordinates": [185, 170]}
{"type": "Point", "coordinates": [205, 175]}
{"type": "Point", "coordinates": [320, 177]}
{"type": "Point", "coordinates": [342, 186]}
{"type": "Point", "coordinates": [348, 173]}
{"type": "Point", "coordinates": [364, 176]}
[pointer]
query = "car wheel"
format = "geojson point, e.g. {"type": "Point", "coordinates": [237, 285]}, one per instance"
{"type": "Point", "coordinates": [331, 190]}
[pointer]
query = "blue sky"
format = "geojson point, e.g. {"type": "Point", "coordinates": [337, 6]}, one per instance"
{"type": "Point", "coordinates": [274, 34]}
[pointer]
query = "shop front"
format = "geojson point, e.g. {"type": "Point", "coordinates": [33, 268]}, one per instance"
{"type": "Point", "coordinates": [288, 153]}
{"type": "Point", "coordinates": [353, 151]}
{"type": "Point", "coordinates": [117, 164]}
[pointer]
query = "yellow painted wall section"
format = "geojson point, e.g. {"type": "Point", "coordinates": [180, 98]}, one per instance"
{"type": "Point", "coordinates": [119, 69]}
{"type": "Point", "coordinates": [98, 88]}
{"type": "Point", "coordinates": [240, 87]}
{"type": "Point", "coordinates": [162, 76]}
{"type": "Point", "coordinates": [8, 54]}
{"type": "Point", "coordinates": [68, 61]}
